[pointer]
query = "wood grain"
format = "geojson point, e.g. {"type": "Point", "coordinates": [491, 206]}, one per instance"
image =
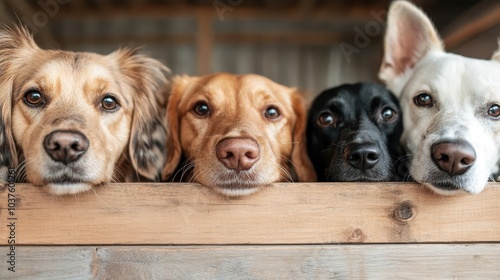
{"type": "Point", "coordinates": [286, 213]}
{"type": "Point", "coordinates": [384, 261]}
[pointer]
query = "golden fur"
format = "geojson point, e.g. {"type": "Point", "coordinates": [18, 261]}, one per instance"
{"type": "Point", "coordinates": [124, 144]}
{"type": "Point", "coordinates": [237, 107]}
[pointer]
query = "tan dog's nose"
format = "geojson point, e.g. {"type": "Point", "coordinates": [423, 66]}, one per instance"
{"type": "Point", "coordinates": [238, 153]}
{"type": "Point", "coordinates": [65, 146]}
{"type": "Point", "coordinates": [454, 158]}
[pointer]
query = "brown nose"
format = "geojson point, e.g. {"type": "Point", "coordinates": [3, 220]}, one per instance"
{"type": "Point", "coordinates": [65, 146]}
{"type": "Point", "coordinates": [238, 153]}
{"type": "Point", "coordinates": [453, 158]}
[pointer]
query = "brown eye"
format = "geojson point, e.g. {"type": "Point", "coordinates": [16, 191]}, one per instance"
{"type": "Point", "coordinates": [388, 114]}
{"type": "Point", "coordinates": [327, 119]}
{"type": "Point", "coordinates": [109, 103]}
{"type": "Point", "coordinates": [34, 99]}
{"type": "Point", "coordinates": [423, 100]}
{"type": "Point", "coordinates": [494, 111]}
{"type": "Point", "coordinates": [272, 113]}
{"type": "Point", "coordinates": [201, 109]}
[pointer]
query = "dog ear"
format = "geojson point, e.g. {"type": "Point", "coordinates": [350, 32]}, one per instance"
{"type": "Point", "coordinates": [300, 159]}
{"type": "Point", "coordinates": [147, 78]}
{"type": "Point", "coordinates": [15, 45]}
{"type": "Point", "coordinates": [174, 147]}
{"type": "Point", "coordinates": [410, 35]}
{"type": "Point", "coordinates": [496, 54]}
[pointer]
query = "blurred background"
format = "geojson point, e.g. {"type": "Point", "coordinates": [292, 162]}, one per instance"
{"type": "Point", "coordinates": [309, 44]}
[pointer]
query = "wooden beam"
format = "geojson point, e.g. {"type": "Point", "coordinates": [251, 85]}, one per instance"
{"type": "Point", "coordinates": [5, 17]}
{"type": "Point", "coordinates": [296, 38]}
{"type": "Point", "coordinates": [361, 14]}
{"type": "Point", "coordinates": [478, 19]}
{"type": "Point", "coordinates": [286, 213]}
{"type": "Point", "coordinates": [124, 40]}
{"type": "Point", "coordinates": [204, 41]}
{"type": "Point", "coordinates": [28, 17]}
{"type": "Point", "coordinates": [387, 261]}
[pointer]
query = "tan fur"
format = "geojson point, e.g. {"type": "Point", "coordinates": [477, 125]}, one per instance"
{"type": "Point", "coordinates": [73, 85]}
{"type": "Point", "coordinates": [237, 105]}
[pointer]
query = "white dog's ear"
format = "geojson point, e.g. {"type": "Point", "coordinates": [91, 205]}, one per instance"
{"type": "Point", "coordinates": [410, 35]}
{"type": "Point", "coordinates": [496, 54]}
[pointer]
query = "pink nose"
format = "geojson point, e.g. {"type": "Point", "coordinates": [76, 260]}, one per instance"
{"type": "Point", "coordinates": [238, 153]}
{"type": "Point", "coordinates": [453, 158]}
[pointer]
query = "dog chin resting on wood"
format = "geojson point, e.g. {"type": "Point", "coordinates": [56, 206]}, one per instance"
{"type": "Point", "coordinates": [72, 121]}
{"type": "Point", "coordinates": [235, 133]}
{"type": "Point", "coordinates": [353, 133]}
{"type": "Point", "coordinates": [450, 104]}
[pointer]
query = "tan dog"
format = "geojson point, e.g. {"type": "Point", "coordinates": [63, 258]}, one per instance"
{"type": "Point", "coordinates": [71, 121]}
{"type": "Point", "coordinates": [238, 133]}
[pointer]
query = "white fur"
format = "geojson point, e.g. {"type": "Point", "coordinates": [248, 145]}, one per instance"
{"type": "Point", "coordinates": [462, 90]}
{"type": "Point", "coordinates": [64, 189]}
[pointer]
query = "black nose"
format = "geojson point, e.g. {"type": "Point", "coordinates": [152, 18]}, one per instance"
{"type": "Point", "coordinates": [453, 158]}
{"type": "Point", "coordinates": [362, 156]}
{"type": "Point", "coordinates": [65, 146]}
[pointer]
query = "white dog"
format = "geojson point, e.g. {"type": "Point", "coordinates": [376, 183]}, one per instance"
{"type": "Point", "coordinates": [450, 103]}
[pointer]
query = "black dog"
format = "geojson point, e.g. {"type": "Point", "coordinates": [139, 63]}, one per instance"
{"type": "Point", "coordinates": [353, 133]}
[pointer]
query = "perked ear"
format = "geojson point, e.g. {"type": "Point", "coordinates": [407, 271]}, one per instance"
{"type": "Point", "coordinates": [300, 159]}
{"type": "Point", "coordinates": [147, 78]}
{"type": "Point", "coordinates": [410, 35]}
{"type": "Point", "coordinates": [496, 54]}
{"type": "Point", "coordinates": [174, 147]}
{"type": "Point", "coordinates": [16, 44]}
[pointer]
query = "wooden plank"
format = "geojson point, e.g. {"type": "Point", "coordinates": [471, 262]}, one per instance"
{"type": "Point", "coordinates": [387, 261]}
{"type": "Point", "coordinates": [288, 213]}
{"type": "Point", "coordinates": [295, 38]}
{"type": "Point", "coordinates": [360, 13]}
{"type": "Point", "coordinates": [204, 41]}
{"type": "Point", "coordinates": [480, 18]}
{"type": "Point", "coordinates": [48, 263]}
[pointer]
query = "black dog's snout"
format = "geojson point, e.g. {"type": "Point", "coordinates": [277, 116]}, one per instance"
{"type": "Point", "coordinates": [453, 158]}
{"type": "Point", "coordinates": [65, 146]}
{"type": "Point", "coordinates": [362, 156]}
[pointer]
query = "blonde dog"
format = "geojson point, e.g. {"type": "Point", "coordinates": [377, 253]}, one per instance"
{"type": "Point", "coordinates": [236, 133]}
{"type": "Point", "coordinates": [72, 121]}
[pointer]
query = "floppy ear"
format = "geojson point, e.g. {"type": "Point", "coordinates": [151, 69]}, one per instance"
{"type": "Point", "coordinates": [15, 45]}
{"type": "Point", "coordinates": [174, 147]}
{"type": "Point", "coordinates": [496, 54]}
{"type": "Point", "coordinates": [300, 160]}
{"type": "Point", "coordinates": [146, 77]}
{"type": "Point", "coordinates": [410, 35]}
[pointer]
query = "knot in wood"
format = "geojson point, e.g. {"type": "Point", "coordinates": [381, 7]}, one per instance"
{"type": "Point", "coordinates": [404, 211]}
{"type": "Point", "coordinates": [356, 235]}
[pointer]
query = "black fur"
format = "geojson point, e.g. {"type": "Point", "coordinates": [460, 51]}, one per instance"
{"type": "Point", "coordinates": [356, 111]}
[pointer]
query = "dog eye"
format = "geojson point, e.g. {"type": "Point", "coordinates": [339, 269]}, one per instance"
{"type": "Point", "coordinates": [423, 100]}
{"type": "Point", "coordinates": [34, 99]}
{"type": "Point", "coordinates": [326, 119]}
{"type": "Point", "coordinates": [109, 103]}
{"type": "Point", "coordinates": [201, 109]}
{"type": "Point", "coordinates": [388, 114]}
{"type": "Point", "coordinates": [494, 111]}
{"type": "Point", "coordinates": [272, 113]}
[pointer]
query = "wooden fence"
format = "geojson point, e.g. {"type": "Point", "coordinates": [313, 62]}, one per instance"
{"type": "Point", "coordinates": [287, 231]}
